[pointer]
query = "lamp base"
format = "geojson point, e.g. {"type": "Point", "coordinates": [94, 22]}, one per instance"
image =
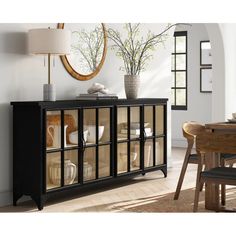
{"type": "Point", "coordinates": [49, 92]}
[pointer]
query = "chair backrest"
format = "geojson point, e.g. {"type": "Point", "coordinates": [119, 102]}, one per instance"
{"type": "Point", "coordinates": [191, 129]}
{"type": "Point", "coordinates": [216, 142]}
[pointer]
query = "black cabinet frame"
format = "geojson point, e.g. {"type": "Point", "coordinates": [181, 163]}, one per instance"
{"type": "Point", "coordinates": [30, 152]}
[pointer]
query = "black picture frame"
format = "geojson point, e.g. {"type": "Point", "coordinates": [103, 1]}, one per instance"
{"type": "Point", "coordinates": [205, 53]}
{"type": "Point", "coordinates": [206, 80]}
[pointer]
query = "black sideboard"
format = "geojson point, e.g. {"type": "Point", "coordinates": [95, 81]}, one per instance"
{"type": "Point", "coordinates": [65, 145]}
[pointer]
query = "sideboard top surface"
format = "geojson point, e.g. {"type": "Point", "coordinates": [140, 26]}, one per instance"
{"type": "Point", "coordinates": [81, 103]}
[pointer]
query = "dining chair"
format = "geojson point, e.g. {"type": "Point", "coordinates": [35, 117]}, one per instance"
{"type": "Point", "coordinates": [214, 143]}
{"type": "Point", "coordinates": [190, 130]}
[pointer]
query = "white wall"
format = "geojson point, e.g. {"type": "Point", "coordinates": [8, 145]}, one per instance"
{"type": "Point", "coordinates": [228, 32]}
{"type": "Point", "coordinates": [22, 77]}
{"type": "Point", "coordinates": [199, 104]}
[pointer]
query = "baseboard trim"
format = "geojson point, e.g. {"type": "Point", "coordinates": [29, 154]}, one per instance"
{"type": "Point", "coordinates": [5, 198]}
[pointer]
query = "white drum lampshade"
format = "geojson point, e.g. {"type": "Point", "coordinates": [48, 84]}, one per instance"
{"type": "Point", "coordinates": [50, 42]}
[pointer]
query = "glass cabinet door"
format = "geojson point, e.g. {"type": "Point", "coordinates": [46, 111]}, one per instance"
{"type": "Point", "coordinates": [153, 135]}
{"type": "Point", "coordinates": [97, 143]}
{"type": "Point", "coordinates": [128, 138]}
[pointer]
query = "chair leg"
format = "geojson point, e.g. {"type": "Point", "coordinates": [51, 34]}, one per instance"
{"type": "Point", "coordinates": [182, 173]}
{"type": "Point", "coordinates": [222, 163]}
{"type": "Point", "coordinates": [202, 184]}
{"type": "Point", "coordinates": [198, 185]}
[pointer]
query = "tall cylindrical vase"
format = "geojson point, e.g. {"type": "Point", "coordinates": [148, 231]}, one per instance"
{"type": "Point", "coordinates": [132, 84]}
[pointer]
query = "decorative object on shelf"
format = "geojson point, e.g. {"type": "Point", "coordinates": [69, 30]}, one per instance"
{"type": "Point", "coordinates": [49, 41]}
{"type": "Point", "coordinates": [88, 171]}
{"type": "Point", "coordinates": [91, 138]}
{"type": "Point", "coordinates": [70, 171]}
{"type": "Point", "coordinates": [98, 88]}
{"type": "Point", "coordinates": [88, 50]}
{"type": "Point", "coordinates": [205, 53]}
{"type": "Point", "coordinates": [56, 135]}
{"type": "Point", "coordinates": [73, 137]}
{"type": "Point", "coordinates": [56, 120]}
{"type": "Point", "coordinates": [135, 51]}
{"type": "Point", "coordinates": [205, 80]}
{"type": "Point", "coordinates": [132, 85]}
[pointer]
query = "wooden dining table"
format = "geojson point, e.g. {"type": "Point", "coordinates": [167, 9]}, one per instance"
{"type": "Point", "coordinates": [212, 201]}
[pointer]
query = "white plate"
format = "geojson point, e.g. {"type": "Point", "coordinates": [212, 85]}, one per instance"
{"type": "Point", "coordinates": [232, 120]}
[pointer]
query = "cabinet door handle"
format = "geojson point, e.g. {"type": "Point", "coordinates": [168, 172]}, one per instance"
{"type": "Point", "coordinates": [144, 136]}
{"type": "Point", "coordinates": [83, 144]}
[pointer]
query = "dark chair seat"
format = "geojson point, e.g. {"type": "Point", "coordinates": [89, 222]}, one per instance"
{"type": "Point", "coordinates": [227, 156]}
{"type": "Point", "coordinates": [193, 158]}
{"type": "Point", "coordinates": [220, 173]}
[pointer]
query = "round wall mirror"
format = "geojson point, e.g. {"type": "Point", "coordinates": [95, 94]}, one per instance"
{"type": "Point", "coordinates": [88, 49]}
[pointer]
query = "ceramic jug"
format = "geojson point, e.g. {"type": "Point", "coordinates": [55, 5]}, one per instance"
{"type": "Point", "coordinates": [70, 171]}
{"type": "Point", "coordinates": [56, 136]}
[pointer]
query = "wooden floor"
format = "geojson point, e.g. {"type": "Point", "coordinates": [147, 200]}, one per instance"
{"type": "Point", "coordinates": [113, 198]}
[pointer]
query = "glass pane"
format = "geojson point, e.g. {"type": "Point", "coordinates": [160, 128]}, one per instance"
{"type": "Point", "coordinates": [90, 126]}
{"type": "Point", "coordinates": [181, 97]}
{"type": "Point", "coordinates": [148, 153]}
{"type": "Point", "coordinates": [159, 151]}
{"type": "Point", "coordinates": [122, 133]}
{"type": "Point", "coordinates": [104, 124]}
{"type": "Point", "coordinates": [173, 79]}
{"type": "Point", "coordinates": [53, 129]}
{"type": "Point", "coordinates": [172, 62]}
{"type": "Point", "coordinates": [181, 44]}
{"type": "Point", "coordinates": [104, 161]}
{"type": "Point", "coordinates": [180, 62]}
{"type": "Point", "coordinates": [148, 120]}
{"type": "Point", "coordinates": [89, 163]}
{"type": "Point", "coordinates": [71, 167]}
{"type": "Point", "coordinates": [71, 127]}
{"type": "Point", "coordinates": [122, 158]}
{"type": "Point", "coordinates": [134, 122]}
{"type": "Point", "coordinates": [180, 79]}
{"type": "Point", "coordinates": [172, 96]}
{"type": "Point", "coordinates": [159, 120]}
{"type": "Point", "coordinates": [53, 167]}
{"type": "Point", "coordinates": [134, 155]}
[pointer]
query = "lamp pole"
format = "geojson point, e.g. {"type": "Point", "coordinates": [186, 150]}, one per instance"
{"type": "Point", "coordinates": [49, 68]}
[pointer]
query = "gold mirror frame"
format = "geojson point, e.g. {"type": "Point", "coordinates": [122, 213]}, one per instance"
{"type": "Point", "coordinates": [74, 73]}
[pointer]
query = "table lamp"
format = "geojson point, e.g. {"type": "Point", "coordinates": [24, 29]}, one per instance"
{"type": "Point", "coordinates": [49, 42]}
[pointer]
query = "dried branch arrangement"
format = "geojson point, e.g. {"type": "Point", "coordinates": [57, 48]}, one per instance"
{"type": "Point", "coordinates": [136, 50]}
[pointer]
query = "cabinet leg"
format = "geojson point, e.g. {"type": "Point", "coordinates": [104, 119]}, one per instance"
{"type": "Point", "coordinates": [16, 196]}
{"type": "Point", "coordinates": [164, 171]}
{"type": "Point", "coordinates": [39, 200]}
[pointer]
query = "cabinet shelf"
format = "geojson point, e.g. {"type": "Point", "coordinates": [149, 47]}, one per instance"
{"type": "Point", "coordinates": [54, 164]}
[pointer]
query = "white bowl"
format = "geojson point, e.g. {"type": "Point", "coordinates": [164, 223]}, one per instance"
{"type": "Point", "coordinates": [92, 133]}
{"type": "Point", "coordinates": [73, 137]}
{"type": "Point", "coordinates": [136, 125]}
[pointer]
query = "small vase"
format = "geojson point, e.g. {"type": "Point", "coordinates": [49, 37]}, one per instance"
{"type": "Point", "coordinates": [132, 84]}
